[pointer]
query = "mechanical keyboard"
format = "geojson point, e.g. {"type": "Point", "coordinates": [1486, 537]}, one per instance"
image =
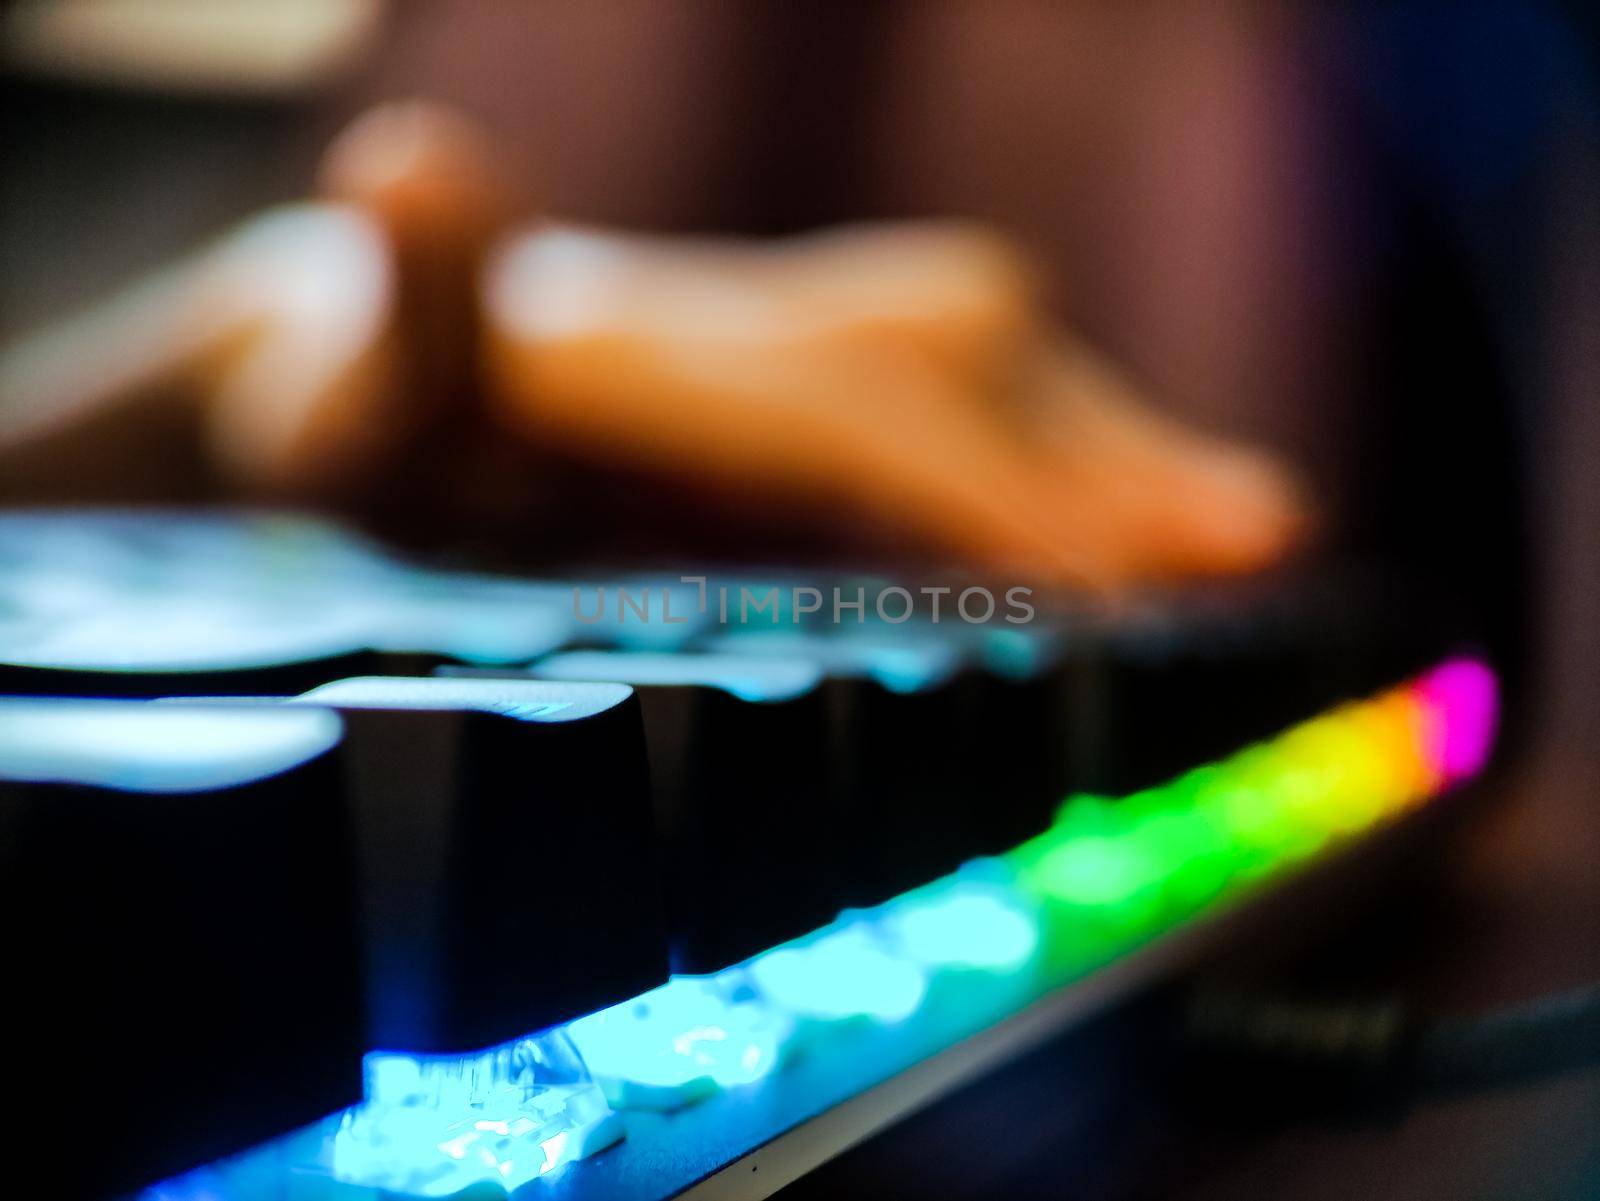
{"type": "Point", "coordinates": [380, 879]}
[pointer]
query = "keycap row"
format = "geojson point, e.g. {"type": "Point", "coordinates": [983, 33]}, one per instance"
{"type": "Point", "coordinates": [227, 903]}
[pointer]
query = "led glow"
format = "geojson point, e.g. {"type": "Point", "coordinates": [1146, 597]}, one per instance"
{"type": "Point", "coordinates": [119, 591]}
{"type": "Point", "coordinates": [1103, 873]}
{"type": "Point", "coordinates": [492, 626]}
{"type": "Point", "coordinates": [966, 924]}
{"type": "Point", "coordinates": [433, 1126]}
{"type": "Point", "coordinates": [899, 663]}
{"type": "Point", "coordinates": [178, 634]}
{"type": "Point", "coordinates": [846, 972]}
{"type": "Point", "coordinates": [1463, 708]}
{"type": "Point", "coordinates": [140, 747]}
{"type": "Point", "coordinates": [1020, 654]}
{"type": "Point", "coordinates": [680, 1041]}
{"type": "Point", "coordinates": [1156, 857]}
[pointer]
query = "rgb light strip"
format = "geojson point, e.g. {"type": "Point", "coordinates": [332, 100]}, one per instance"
{"type": "Point", "coordinates": [1113, 872]}
{"type": "Point", "coordinates": [1107, 877]}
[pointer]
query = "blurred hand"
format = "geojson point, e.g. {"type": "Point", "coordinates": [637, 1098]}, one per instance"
{"type": "Point", "coordinates": [403, 335]}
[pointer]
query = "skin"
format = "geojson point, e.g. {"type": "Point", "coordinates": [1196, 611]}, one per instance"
{"type": "Point", "coordinates": [404, 333]}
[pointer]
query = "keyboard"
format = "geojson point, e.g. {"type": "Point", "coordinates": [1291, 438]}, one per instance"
{"type": "Point", "coordinates": [338, 876]}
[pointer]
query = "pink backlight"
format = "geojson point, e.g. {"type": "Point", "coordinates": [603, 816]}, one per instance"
{"type": "Point", "coordinates": [1463, 699]}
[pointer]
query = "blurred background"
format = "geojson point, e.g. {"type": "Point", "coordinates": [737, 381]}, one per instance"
{"type": "Point", "coordinates": [1365, 235]}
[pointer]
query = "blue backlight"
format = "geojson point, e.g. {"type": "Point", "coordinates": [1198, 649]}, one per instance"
{"type": "Point", "coordinates": [676, 1043]}
{"type": "Point", "coordinates": [431, 1126]}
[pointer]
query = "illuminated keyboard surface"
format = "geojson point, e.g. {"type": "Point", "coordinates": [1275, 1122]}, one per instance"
{"type": "Point", "coordinates": [705, 1072]}
{"type": "Point", "coordinates": [740, 1076]}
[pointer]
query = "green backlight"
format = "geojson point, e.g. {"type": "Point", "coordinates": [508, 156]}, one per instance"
{"type": "Point", "coordinates": [1110, 874]}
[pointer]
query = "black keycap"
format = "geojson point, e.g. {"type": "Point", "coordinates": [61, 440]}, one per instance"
{"type": "Point", "coordinates": [907, 759]}
{"type": "Point", "coordinates": [1015, 688]}
{"type": "Point", "coordinates": [1029, 681]}
{"type": "Point", "coordinates": [507, 857]}
{"type": "Point", "coordinates": [749, 829]}
{"type": "Point", "coordinates": [181, 955]}
{"type": "Point", "coordinates": [1186, 679]}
